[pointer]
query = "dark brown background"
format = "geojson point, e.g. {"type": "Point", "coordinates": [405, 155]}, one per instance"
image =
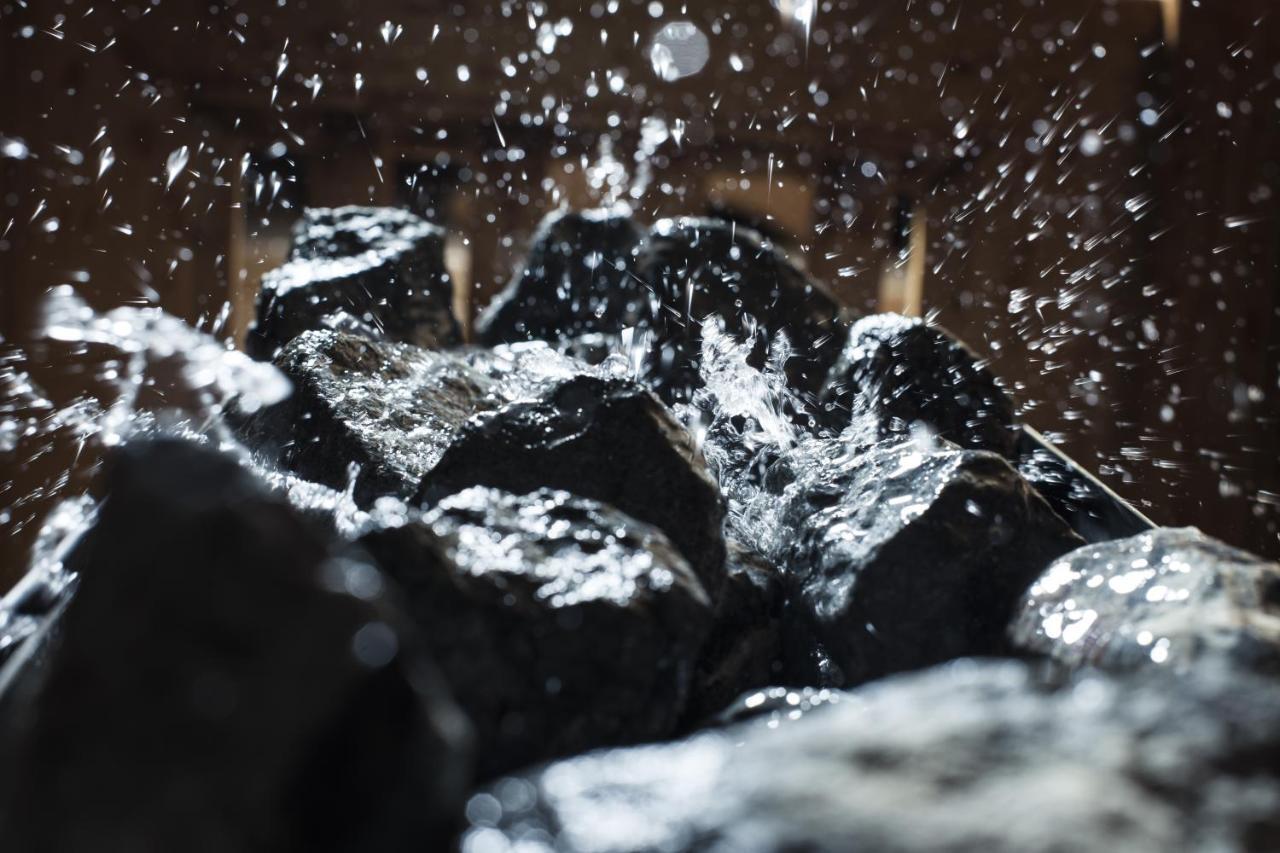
{"type": "Point", "coordinates": [1129, 295]}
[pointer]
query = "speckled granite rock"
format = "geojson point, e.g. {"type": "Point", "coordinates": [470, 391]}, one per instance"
{"type": "Point", "coordinates": [219, 682]}
{"type": "Point", "coordinates": [1171, 597]}
{"type": "Point", "coordinates": [561, 624]}
{"type": "Point", "coordinates": [969, 758]}
{"type": "Point", "coordinates": [378, 271]}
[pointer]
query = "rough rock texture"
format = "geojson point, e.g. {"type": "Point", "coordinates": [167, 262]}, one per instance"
{"type": "Point", "coordinates": [391, 409]}
{"type": "Point", "coordinates": [700, 267]}
{"type": "Point", "coordinates": [578, 278]}
{"type": "Point", "coordinates": [1171, 597]}
{"type": "Point", "coordinates": [602, 438]}
{"type": "Point", "coordinates": [378, 271]}
{"type": "Point", "coordinates": [902, 371]}
{"type": "Point", "coordinates": [971, 758]}
{"type": "Point", "coordinates": [561, 624]}
{"type": "Point", "coordinates": [905, 555]}
{"type": "Point", "coordinates": [744, 650]}
{"type": "Point", "coordinates": [219, 683]}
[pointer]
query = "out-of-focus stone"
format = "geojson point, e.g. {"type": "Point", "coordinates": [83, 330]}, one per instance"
{"type": "Point", "coordinates": [976, 757]}
{"type": "Point", "coordinates": [602, 438]}
{"type": "Point", "coordinates": [744, 650]}
{"type": "Point", "coordinates": [905, 554]}
{"type": "Point", "coordinates": [561, 624]}
{"type": "Point", "coordinates": [902, 372]}
{"type": "Point", "coordinates": [219, 682]}
{"type": "Point", "coordinates": [376, 271]}
{"type": "Point", "coordinates": [1171, 597]}
{"type": "Point", "coordinates": [578, 278]}
{"type": "Point", "coordinates": [700, 267]}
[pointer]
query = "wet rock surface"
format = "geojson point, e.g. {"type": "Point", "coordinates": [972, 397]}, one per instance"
{"type": "Point", "coordinates": [602, 438]}
{"type": "Point", "coordinates": [902, 555]}
{"type": "Point", "coordinates": [218, 682]}
{"type": "Point", "coordinates": [390, 409]}
{"type": "Point", "coordinates": [561, 624]}
{"type": "Point", "coordinates": [902, 372]}
{"type": "Point", "coordinates": [971, 757]}
{"type": "Point", "coordinates": [699, 267]}
{"type": "Point", "coordinates": [374, 271]}
{"type": "Point", "coordinates": [1167, 598]}
{"type": "Point", "coordinates": [578, 278]}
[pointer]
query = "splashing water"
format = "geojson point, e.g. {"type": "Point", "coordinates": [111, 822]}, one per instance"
{"type": "Point", "coordinates": [206, 364]}
{"type": "Point", "coordinates": [177, 161]}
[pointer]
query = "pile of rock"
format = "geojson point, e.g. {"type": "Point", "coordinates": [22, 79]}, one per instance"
{"type": "Point", "coordinates": [556, 627]}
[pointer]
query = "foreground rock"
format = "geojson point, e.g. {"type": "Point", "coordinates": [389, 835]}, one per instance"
{"type": "Point", "coordinates": [602, 438]}
{"type": "Point", "coordinates": [972, 758]}
{"type": "Point", "coordinates": [577, 279]}
{"type": "Point", "coordinates": [904, 555]}
{"type": "Point", "coordinates": [376, 271]}
{"type": "Point", "coordinates": [390, 409]}
{"type": "Point", "coordinates": [1171, 597]}
{"type": "Point", "coordinates": [903, 372]}
{"type": "Point", "coordinates": [700, 267]}
{"type": "Point", "coordinates": [218, 683]}
{"type": "Point", "coordinates": [561, 624]}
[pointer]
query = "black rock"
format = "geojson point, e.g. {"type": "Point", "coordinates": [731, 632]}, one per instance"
{"type": "Point", "coordinates": [391, 409]}
{"type": "Point", "coordinates": [703, 267]}
{"type": "Point", "coordinates": [1171, 597]}
{"type": "Point", "coordinates": [376, 271]}
{"type": "Point", "coordinates": [905, 555]}
{"type": "Point", "coordinates": [220, 683]}
{"type": "Point", "coordinates": [578, 278]}
{"type": "Point", "coordinates": [744, 650]}
{"type": "Point", "coordinates": [901, 371]}
{"type": "Point", "coordinates": [602, 438]}
{"type": "Point", "coordinates": [977, 757]}
{"type": "Point", "coordinates": [561, 624]}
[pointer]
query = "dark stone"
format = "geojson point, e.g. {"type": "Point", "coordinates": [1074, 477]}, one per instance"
{"type": "Point", "coordinates": [901, 371]}
{"type": "Point", "coordinates": [701, 267]}
{"type": "Point", "coordinates": [376, 271]}
{"type": "Point", "coordinates": [220, 683]}
{"type": "Point", "coordinates": [391, 409]}
{"type": "Point", "coordinates": [561, 624]}
{"type": "Point", "coordinates": [977, 757]}
{"type": "Point", "coordinates": [905, 554]}
{"type": "Point", "coordinates": [744, 650]}
{"type": "Point", "coordinates": [578, 278]}
{"type": "Point", "coordinates": [602, 438]}
{"type": "Point", "coordinates": [1171, 597]}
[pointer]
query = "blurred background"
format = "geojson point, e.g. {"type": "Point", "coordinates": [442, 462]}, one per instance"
{"type": "Point", "coordinates": [1085, 191]}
